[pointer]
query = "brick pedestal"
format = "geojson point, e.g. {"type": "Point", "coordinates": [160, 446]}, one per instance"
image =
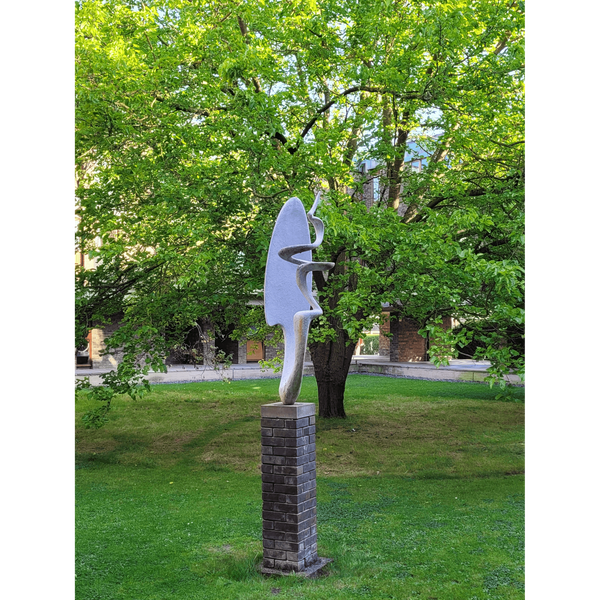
{"type": "Point", "coordinates": [289, 489]}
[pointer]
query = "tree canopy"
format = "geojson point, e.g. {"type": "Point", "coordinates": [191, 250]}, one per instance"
{"type": "Point", "coordinates": [196, 120]}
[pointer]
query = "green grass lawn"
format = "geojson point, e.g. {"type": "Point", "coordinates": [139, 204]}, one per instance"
{"type": "Point", "coordinates": [419, 490]}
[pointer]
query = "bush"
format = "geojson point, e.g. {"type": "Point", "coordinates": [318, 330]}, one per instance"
{"type": "Point", "coordinates": [371, 344]}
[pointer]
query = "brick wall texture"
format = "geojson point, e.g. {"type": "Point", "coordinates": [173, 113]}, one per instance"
{"type": "Point", "coordinates": [405, 345]}
{"type": "Point", "coordinates": [289, 493]}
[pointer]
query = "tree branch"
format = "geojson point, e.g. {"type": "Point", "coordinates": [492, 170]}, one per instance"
{"type": "Point", "coordinates": [199, 112]}
{"type": "Point", "coordinates": [356, 88]}
{"type": "Point", "coordinates": [417, 217]}
{"type": "Point", "coordinates": [149, 44]}
{"type": "Point", "coordinates": [507, 145]}
{"type": "Point", "coordinates": [244, 31]}
{"type": "Point", "coordinates": [272, 195]}
{"type": "Point", "coordinates": [438, 156]}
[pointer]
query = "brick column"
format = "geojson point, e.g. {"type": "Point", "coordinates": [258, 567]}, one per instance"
{"type": "Point", "coordinates": [289, 489]}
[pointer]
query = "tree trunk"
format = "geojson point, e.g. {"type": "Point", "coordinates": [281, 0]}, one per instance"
{"type": "Point", "coordinates": [331, 360]}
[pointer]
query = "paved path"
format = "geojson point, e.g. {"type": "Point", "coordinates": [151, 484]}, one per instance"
{"type": "Point", "coordinates": [458, 370]}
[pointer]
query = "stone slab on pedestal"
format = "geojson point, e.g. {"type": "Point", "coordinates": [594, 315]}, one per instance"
{"type": "Point", "coordinates": [289, 490]}
{"type": "Point", "coordinates": [288, 411]}
{"type": "Point", "coordinates": [312, 572]}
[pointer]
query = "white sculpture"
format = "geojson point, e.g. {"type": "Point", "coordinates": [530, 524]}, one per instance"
{"type": "Point", "coordinates": [288, 287]}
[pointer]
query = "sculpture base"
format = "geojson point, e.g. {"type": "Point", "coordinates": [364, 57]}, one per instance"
{"type": "Point", "coordinates": [289, 488]}
{"type": "Point", "coordinates": [312, 572]}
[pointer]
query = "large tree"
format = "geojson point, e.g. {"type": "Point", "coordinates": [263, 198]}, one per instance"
{"type": "Point", "coordinates": [197, 119]}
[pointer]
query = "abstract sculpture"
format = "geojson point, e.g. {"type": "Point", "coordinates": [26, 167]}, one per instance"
{"type": "Point", "coordinates": [288, 428]}
{"type": "Point", "coordinates": [288, 287]}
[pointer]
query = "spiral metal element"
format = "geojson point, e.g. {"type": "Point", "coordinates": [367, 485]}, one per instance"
{"type": "Point", "coordinates": [291, 380]}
